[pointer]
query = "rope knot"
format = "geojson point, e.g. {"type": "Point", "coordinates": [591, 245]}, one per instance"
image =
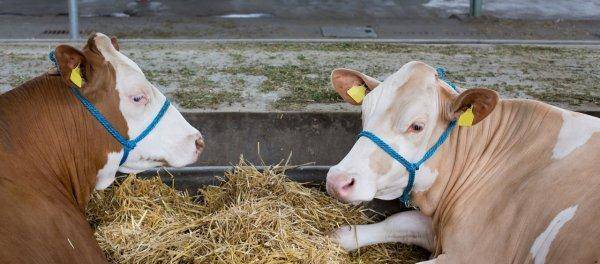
{"type": "Point", "coordinates": [442, 75]}
{"type": "Point", "coordinates": [441, 72]}
{"type": "Point", "coordinates": [52, 58]}
{"type": "Point", "coordinates": [129, 145]}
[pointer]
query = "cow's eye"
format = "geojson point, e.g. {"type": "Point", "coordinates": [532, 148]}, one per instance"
{"type": "Point", "coordinates": [139, 99]}
{"type": "Point", "coordinates": [415, 127]}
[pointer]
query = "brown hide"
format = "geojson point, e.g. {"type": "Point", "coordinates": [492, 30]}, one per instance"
{"type": "Point", "coordinates": [499, 188]}
{"type": "Point", "coordinates": [51, 150]}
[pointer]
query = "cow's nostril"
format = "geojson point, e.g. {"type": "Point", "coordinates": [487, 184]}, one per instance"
{"type": "Point", "coordinates": [349, 184]}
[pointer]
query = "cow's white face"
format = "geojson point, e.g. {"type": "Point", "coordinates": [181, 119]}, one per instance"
{"type": "Point", "coordinates": [173, 142]}
{"type": "Point", "coordinates": [409, 111]}
{"type": "Point", "coordinates": [405, 112]}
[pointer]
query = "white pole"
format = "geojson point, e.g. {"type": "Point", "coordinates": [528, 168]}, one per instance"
{"type": "Point", "coordinates": [73, 20]}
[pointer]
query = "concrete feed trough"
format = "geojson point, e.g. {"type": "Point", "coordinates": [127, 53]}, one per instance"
{"type": "Point", "coordinates": [315, 140]}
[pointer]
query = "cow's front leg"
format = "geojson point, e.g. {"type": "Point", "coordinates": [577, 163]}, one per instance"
{"type": "Point", "coordinates": [441, 259]}
{"type": "Point", "coordinates": [410, 227]}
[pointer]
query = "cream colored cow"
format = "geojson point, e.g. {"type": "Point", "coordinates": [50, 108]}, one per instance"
{"type": "Point", "coordinates": [522, 185]}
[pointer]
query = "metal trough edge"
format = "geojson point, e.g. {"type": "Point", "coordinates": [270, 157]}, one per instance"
{"type": "Point", "coordinates": [192, 178]}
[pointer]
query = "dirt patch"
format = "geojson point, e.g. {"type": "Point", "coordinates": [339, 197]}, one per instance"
{"type": "Point", "coordinates": [295, 76]}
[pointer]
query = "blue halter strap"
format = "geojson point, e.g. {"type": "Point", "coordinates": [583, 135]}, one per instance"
{"type": "Point", "coordinates": [442, 75]}
{"type": "Point", "coordinates": [128, 145]}
{"type": "Point", "coordinates": [411, 167]}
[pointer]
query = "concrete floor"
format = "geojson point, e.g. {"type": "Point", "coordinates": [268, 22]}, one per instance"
{"type": "Point", "coordinates": [410, 19]}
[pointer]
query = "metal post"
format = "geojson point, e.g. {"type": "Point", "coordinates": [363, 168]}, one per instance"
{"type": "Point", "coordinates": [475, 8]}
{"type": "Point", "coordinates": [73, 20]}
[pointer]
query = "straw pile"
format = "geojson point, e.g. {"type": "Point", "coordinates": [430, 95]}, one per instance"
{"type": "Point", "coordinates": [252, 217]}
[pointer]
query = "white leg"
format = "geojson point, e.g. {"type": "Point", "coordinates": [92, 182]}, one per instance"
{"type": "Point", "coordinates": [411, 227]}
{"type": "Point", "coordinates": [439, 260]}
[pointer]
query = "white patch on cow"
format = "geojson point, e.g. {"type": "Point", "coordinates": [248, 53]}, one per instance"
{"type": "Point", "coordinates": [542, 243]}
{"type": "Point", "coordinates": [576, 130]}
{"type": "Point", "coordinates": [173, 141]}
{"type": "Point", "coordinates": [424, 178]}
{"type": "Point", "coordinates": [106, 175]}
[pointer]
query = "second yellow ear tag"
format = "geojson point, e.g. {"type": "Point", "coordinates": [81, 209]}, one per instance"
{"type": "Point", "coordinates": [357, 93]}
{"type": "Point", "coordinates": [466, 118]}
{"type": "Point", "coordinates": [76, 76]}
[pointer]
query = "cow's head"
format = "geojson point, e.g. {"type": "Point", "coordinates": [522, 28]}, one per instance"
{"type": "Point", "coordinates": [409, 111]}
{"type": "Point", "coordinates": [120, 90]}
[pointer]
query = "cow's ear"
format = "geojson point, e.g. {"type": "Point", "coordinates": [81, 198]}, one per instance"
{"type": "Point", "coordinates": [348, 84]}
{"type": "Point", "coordinates": [69, 58]}
{"type": "Point", "coordinates": [114, 42]}
{"type": "Point", "coordinates": [481, 101]}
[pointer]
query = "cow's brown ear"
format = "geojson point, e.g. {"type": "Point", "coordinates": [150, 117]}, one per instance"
{"type": "Point", "coordinates": [114, 42]}
{"type": "Point", "coordinates": [345, 79]}
{"type": "Point", "coordinates": [68, 58]}
{"type": "Point", "coordinates": [482, 100]}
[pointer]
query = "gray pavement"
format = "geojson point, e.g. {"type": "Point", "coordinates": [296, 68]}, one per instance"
{"type": "Point", "coordinates": [411, 19]}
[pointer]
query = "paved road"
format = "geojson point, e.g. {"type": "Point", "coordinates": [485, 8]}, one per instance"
{"type": "Point", "coordinates": [408, 19]}
{"type": "Point", "coordinates": [334, 9]}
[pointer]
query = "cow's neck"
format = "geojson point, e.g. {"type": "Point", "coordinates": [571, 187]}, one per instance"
{"type": "Point", "coordinates": [499, 148]}
{"type": "Point", "coordinates": [50, 141]}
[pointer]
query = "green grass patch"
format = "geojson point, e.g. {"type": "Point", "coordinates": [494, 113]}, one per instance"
{"type": "Point", "coordinates": [198, 92]}
{"type": "Point", "coordinates": [200, 99]}
{"type": "Point", "coordinates": [237, 58]}
{"type": "Point", "coordinates": [17, 79]}
{"type": "Point", "coordinates": [552, 74]}
{"type": "Point", "coordinates": [306, 84]}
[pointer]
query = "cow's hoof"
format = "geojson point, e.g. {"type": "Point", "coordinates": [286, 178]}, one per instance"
{"type": "Point", "coordinates": [345, 236]}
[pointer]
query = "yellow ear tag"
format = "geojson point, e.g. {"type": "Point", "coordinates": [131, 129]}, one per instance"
{"type": "Point", "coordinates": [76, 76]}
{"type": "Point", "coordinates": [357, 93]}
{"type": "Point", "coordinates": [466, 118]}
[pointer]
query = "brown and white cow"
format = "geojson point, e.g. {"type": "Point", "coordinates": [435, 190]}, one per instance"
{"type": "Point", "coordinates": [520, 186]}
{"type": "Point", "coordinates": [53, 153]}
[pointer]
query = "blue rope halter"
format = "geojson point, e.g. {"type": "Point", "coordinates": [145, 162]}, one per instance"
{"type": "Point", "coordinates": [412, 168]}
{"type": "Point", "coordinates": [128, 145]}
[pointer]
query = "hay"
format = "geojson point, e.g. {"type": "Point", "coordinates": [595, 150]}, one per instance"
{"type": "Point", "coordinates": [252, 217]}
